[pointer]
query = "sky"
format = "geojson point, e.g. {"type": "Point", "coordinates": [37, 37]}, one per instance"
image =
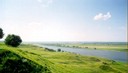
{"type": "Point", "coordinates": [65, 20]}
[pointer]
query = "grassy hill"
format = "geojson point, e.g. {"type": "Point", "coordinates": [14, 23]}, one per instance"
{"type": "Point", "coordinates": [34, 59]}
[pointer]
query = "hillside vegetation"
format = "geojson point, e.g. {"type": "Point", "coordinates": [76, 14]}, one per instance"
{"type": "Point", "coordinates": [34, 59]}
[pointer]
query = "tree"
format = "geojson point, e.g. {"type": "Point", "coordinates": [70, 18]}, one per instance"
{"type": "Point", "coordinates": [59, 50]}
{"type": "Point", "coordinates": [1, 33]}
{"type": "Point", "coordinates": [13, 40]}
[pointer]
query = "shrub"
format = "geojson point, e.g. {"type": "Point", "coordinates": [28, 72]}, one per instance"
{"type": "Point", "coordinates": [107, 67]}
{"type": "Point", "coordinates": [59, 50]}
{"type": "Point", "coordinates": [13, 40]}
{"type": "Point", "coordinates": [52, 50]}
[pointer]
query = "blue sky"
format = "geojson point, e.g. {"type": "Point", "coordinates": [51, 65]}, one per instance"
{"type": "Point", "coordinates": [65, 20]}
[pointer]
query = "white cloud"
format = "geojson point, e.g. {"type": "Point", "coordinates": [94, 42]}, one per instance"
{"type": "Point", "coordinates": [102, 16]}
{"type": "Point", "coordinates": [45, 3]}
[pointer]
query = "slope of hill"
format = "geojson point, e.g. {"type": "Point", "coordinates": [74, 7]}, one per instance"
{"type": "Point", "coordinates": [34, 59]}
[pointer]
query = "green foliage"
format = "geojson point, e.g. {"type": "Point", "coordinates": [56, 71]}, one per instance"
{"type": "Point", "coordinates": [1, 33]}
{"type": "Point", "coordinates": [13, 40]}
{"type": "Point", "coordinates": [13, 63]}
{"type": "Point", "coordinates": [105, 67]}
{"type": "Point", "coordinates": [59, 50]}
{"type": "Point", "coordinates": [52, 50]}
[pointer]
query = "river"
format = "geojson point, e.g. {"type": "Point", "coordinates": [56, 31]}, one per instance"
{"type": "Point", "coordinates": [112, 55]}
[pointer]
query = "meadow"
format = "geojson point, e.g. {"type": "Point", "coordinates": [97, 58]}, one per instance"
{"type": "Point", "coordinates": [115, 46]}
{"type": "Point", "coordinates": [40, 60]}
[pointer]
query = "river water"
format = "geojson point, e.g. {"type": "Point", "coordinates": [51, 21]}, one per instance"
{"type": "Point", "coordinates": [112, 55]}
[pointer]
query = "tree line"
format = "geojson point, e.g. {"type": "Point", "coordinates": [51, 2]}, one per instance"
{"type": "Point", "coordinates": [11, 39]}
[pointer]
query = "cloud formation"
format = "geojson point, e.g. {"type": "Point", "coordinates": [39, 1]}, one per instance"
{"type": "Point", "coordinates": [45, 3]}
{"type": "Point", "coordinates": [102, 16]}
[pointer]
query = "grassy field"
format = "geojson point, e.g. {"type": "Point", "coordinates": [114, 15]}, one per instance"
{"type": "Point", "coordinates": [102, 46]}
{"type": "Point", "coordinates": [39, 60]}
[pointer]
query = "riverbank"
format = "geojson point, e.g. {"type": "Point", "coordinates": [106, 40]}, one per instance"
{"type": "Point", "coordinates": [65, 62]}
{"type": "Point", "coordinates": [114, 46]}
{"type": "Point", "coordinates": [108, 54]}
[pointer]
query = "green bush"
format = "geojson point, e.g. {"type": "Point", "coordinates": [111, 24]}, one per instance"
{"type": "Point", "coordinates": [59, 50]}
{"type": "Point", "coordinates": [13, 40]}
{"type": "Point", "coordinates": [105, 66]}
{"type": "Point", "coordinates": [52, 50]}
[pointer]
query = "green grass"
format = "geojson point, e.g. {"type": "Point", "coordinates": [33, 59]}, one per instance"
{"type": "Point", "coordinates": [59, 62]}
